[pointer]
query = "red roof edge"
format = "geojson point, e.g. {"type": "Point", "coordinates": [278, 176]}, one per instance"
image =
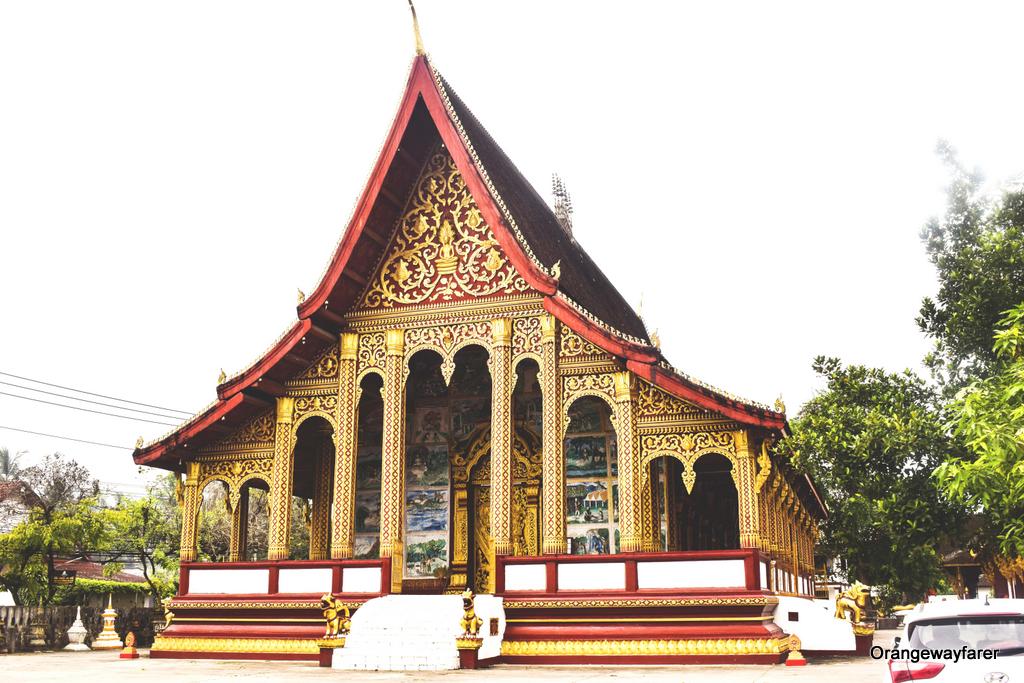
{"type": "Point", "coordinates": [181, 435]}
{"type": "Point", "coordinates": [597, 335]}
{"type": "Point", "coordinates": [708, 399]}
{"type": "Point", "coordinates": [421, 84]}
{"type": "Point", "coordinates": [283, 345]}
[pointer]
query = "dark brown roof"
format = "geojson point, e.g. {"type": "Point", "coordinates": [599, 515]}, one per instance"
{"type": "Point", "coordinates": [580, 279]}
{"type": "Point", "coordinates": [15, 490]}
{"type": "Point", "coordinates": [88, 569]}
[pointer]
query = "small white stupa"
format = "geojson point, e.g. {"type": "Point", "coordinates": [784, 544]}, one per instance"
{"type": "Point", "coordinates": [77, 634]}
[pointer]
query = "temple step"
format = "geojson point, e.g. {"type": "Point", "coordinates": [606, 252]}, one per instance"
{"type": "Point", "coordinates": [411, 633]}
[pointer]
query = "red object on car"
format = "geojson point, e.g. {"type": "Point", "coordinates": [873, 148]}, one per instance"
{"type": "Point", "coordinates": [908, 671]}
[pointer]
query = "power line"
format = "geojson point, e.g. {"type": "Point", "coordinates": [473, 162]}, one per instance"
{"type": "Point", "coordinates": [85, 400]}
{"type": "Point", "coordinates": [87, 410]}
{"type": "Point", "coordinates": [66, 438]}
{"type": "Point", "coordinates": [89, 393]}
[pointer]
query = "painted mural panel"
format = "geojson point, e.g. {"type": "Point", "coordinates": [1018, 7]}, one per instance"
{"type": "Point", "coordinates": [426, 555]}
{"type": "Point", "coordinates": [426, 510]}
{"type": "Point", "coordinates": [591, 488]}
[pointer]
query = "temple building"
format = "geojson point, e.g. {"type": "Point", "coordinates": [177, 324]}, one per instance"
{"type": "Point", "coordinates": [466, 401]}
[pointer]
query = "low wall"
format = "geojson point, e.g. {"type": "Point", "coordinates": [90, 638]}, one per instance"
{"type": "Point", "coordinates": [703, 606]}
{"type": "Point", "coordinates": [262, 610]}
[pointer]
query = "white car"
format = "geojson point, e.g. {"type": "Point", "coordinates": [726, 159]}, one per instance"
{"type": "Point", "coordinates": [960, 641]}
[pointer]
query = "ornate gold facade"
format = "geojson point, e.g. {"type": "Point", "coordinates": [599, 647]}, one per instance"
{"type": "Point", "coordinates": [444, 284]}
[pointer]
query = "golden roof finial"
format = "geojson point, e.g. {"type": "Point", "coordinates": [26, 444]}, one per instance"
{"type": "Point", "coordinates": [779, 405]}
{"type": "Point", "coordinates": [139, 441]}
{"type": "Point", "coordinates": [302, 295]}
{"type": "Point", "coordinates": [222, 376]}
{"type": "Point", "coordinates": [416, 30]}
{"type": "Point", "coordinates": [556, 269]}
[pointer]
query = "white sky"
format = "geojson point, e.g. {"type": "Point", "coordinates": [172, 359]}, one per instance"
{"type": "Point", "coordinates": [171, 172]}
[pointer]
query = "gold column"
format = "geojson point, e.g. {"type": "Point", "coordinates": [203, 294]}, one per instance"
{"type": "Point", "coordinates": [746, 493]}
{"type": "Point", "coordinates": [239, 527]}
{"type": "Point", "coordinates": [651, 519]}
{"type": "Point", "coordinates": [190, 513]}
{"type": "Point", "coordinates": [320, 517]}
{"type": "Point", "coordinates": [552, 441]}
{"type": "Point", "coordinates": [392, 503]}
{"type": "Point", "coordinates": [280, 499]}
{"type": "Point", "coordinates": [345, 442]}
{"type": "Point", "coordinates": [501, 436]}
{"type": "Point", "coordinates": [630, 496]}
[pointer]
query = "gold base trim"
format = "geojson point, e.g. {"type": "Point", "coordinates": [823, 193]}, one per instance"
{"type": "Point", "coordinates": [650, 602]}
{"type": "Point", "coordinates": [543, 620]}
{"type": "Point", "coordinates": [863, 629]}
{"type": "Point", "coordinates": [332, 643]}
{"type": "Point", "coordinates": [625, 648]}
{"type": "Point", "coordinates": [305, 646]}
{"type": "Point", "coordinates": [193, 604]}
{"type": "Point", "coordinates": [468, 643]}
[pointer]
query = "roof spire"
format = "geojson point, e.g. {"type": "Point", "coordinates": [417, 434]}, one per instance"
{"type": "Point", "coordinates": [416, 30]}
{"type": "Point", "coordinates": [563, 202]}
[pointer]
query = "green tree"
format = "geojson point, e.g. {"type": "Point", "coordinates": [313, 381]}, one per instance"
{"type": "Point", "coordinates": [871, 440]}
{"type": "Point", "coordinates": [989, 416]}
{"type": "Point", "coordinates": [65, 519]}
{"type": "Point", "coordinates": [148, 530]}
{"type": "Point", "coordinates": [977, 248]}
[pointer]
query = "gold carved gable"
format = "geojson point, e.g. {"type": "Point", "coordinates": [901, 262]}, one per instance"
{"type": "Point", "coordinates": [256, 434]}
{"type": "Point", "coordinates": [652, 401]}
{"type": "Point", "coordinates": [442, 251]}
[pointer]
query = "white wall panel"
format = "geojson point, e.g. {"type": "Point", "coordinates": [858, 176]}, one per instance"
{"type": "Point", "coordinates": [360, 580]}
{"type": "Point", "coordinates": [299, 580]}
{"type": "Point", "coordinates": [228, 581]}
{"type": "Point", "coordinates": [691, 574]}
{"type": "Point", "coordinates": [592, 576]}
{"type": "Point", "coordinates": [525, 577]}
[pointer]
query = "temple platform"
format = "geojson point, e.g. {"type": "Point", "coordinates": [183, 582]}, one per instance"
{"type": "Point", "coordinates": [636, 608]}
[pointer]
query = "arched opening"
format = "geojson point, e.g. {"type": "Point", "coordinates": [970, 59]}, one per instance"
{"type": "Point", "coordinates": [704, 518]}
{"type": "Point", "coordinates": [312, 479]}
{"type": "Point", "coordinates": [427, 509]}
{"type": "Point", "coordinates": [528, 426]}
{"type": "Point", "coordinates": [470, 452]}
{"type": "Point", "coordinates": [214, 523]}
{"type": "Point", "coordinates": [368, 468]}
{"type": "Point", "coordinates": [254, 500]}
{"type": "Point", "coordinates": [591, 488]}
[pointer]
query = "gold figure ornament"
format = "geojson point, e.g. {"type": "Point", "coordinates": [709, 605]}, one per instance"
{"type": "Point", "coordinates": [852, 603]}
{"type": "Point", "coordinates": [168, 614]}
{"type": "Point", "coordinates": [336, 615]}
{"type": "Point", "coordinates": [470, 623]}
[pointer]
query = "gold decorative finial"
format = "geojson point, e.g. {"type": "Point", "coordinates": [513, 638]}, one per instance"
{"type": "Point", "coordinates": [222, 376]}
{"type": "Point", "coordinates": [416, 30]}
{"type": "Point", "coordinates": [556, 270]}
{"type": "Point", "coordinates": [656, 340]}
{"type": "Point", "coordinates": [779, 405]}
{"type": "Point", "coordinates": [139, 441]}
{"type": "Point", "coordinates": [302, 295]}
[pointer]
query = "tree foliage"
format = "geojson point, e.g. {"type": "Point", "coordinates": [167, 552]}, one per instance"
{"type": "Point", "coordinates": [977, 248]}
{"type": "Point", "coordinates": [871, 439]}
{"type": "Point", "coordinates": [63, 521]}
{"type": "Point", "coordinates": [989, 416]}
{"type": "Point", "coordinates": [147, 530]}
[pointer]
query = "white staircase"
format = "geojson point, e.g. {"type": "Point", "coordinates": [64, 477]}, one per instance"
{"type": "Point", "coordinates": [414, 633]}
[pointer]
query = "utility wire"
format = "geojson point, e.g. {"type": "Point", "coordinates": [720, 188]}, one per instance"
{"type": "Point", "coordinates": [89, 393]}
{"type": "Point", "coordinates": [86, 400]}
{"type": "Point", "coordinates": [87, 410]}
{"type": "Point", "coordinates": [66, 438]}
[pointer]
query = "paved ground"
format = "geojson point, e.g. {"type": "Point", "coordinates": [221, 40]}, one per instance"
{"type": "Point", "coordinates": [76, 667]}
